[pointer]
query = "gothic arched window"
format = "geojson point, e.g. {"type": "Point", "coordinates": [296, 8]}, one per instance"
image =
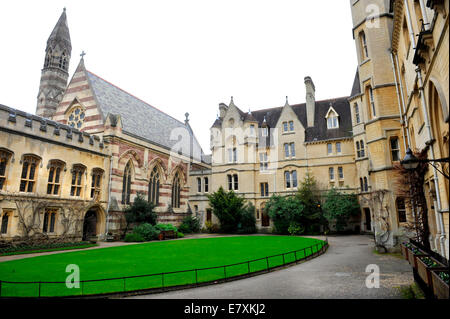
{"type": "Point", "coordinates": [153, 187]}
{"type": "Point", "coordinates": [126, 187]}
{"type": "Point", "coordinates": [176, 191]}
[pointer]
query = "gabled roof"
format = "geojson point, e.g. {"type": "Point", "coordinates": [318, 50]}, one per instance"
{"type": "Point", "coordinates": [140, 118]}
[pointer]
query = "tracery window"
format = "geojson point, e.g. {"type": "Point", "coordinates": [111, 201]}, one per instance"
{"type": "Point", "coordinates": [76, 118]}
{"type": "Point", "coordinates": [126, 186]}
{"type": "Point", "coordinates": [176, 191]}
{"type": "Point", "coordinates": [153, 187]}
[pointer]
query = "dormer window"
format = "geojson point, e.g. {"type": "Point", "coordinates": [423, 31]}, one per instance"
{"type": "Point", "coordinates": [332, 119]}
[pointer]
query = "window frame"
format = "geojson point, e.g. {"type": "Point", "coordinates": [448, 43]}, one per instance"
{"type": "Point", "coordinates": [5, 156]}
{"type": "Point", "coordinates": [26, 180]}
{"type": "Point", "coordinates": [77, 181]}
{"type": "Point", "coordinates": [395, 150]}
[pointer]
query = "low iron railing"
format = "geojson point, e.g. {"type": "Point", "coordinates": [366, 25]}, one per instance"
{"type": "Point", "coordinates": [42, 286]}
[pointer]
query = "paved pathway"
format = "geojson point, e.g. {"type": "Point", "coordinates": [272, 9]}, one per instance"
{"type": "Point", "coordinates": [339, 273]}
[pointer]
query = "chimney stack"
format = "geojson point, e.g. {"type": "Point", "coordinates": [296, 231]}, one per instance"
{"type": "Point", "coordinates": [310, 100]}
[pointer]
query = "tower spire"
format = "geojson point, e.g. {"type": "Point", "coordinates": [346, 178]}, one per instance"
{"type": "Point", "coordinates": [55, 74]}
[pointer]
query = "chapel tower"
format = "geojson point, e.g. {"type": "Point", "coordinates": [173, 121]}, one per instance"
{"type": "Point", "coordinates": [55, 74]}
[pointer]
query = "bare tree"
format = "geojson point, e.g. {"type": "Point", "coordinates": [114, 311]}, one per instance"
{"type": "Point", "coordinates": [377, 200]}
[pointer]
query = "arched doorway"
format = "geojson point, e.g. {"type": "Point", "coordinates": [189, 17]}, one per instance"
{"type": "Point", "coordinates": [265, 219]}
{"type": "Point", "coordinates": [90, 224]}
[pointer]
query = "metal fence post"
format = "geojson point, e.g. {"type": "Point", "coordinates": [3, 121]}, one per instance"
{"type": "Point", "coordinates": [248, 266]}
{"type": "Point", "coordinates": [295, 252]}
{"type": "Point", "coordinates": [225, 272]}
{"type": "Point", "coordinates": [124, 286]}
{"type": "Point", "coordinates": [196, 278]}
{"type": "Point", "coordinates": [267, 262]}
{"type": "Point", "coordinates": [39, 291]}
{"type": "Point", "coordinates": [284, 262]}
{"type": "Point", "coordinates": [162, 280]}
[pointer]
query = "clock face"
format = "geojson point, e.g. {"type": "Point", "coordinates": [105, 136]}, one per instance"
{"type": "Point", "coordinates": [76, 118]}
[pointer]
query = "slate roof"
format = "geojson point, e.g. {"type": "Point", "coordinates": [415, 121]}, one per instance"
{"type": "Point", "coordinates": [320, 131]}
{"type": "Point", "coordinates": [140, 118]}
{"type": "Point", "coordinates": [60, 32]}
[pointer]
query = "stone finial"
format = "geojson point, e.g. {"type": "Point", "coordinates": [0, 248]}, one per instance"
{"type": "Point", "coordinates": [187, 118]}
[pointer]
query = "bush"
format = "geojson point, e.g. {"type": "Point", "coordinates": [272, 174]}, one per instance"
{"type": "Point", "coordinates": [141, 211]}
{"type": "Point", "coordinates": [340, 207]}
{"type": "Point", "coordinates": [248, 220]}
{"type": "Point", "coordinates": [164, 227]}
{"type": "Point", "coordinates": [283, 211]}
{"type": "Point", "coordinates": [180, 235]}
{"type": "Point", "coordinates": [211, 228]}
{"type": "Point", "coordinates": [231, 212]}
{"type": "Point", "coordinates": [296, 229]}
{"type": "Point", "coordinates": [146, 231]}
{"type": "Point", "coordinates": [190, 225]}
{"type": "Point", "coordinates": [134, 237]}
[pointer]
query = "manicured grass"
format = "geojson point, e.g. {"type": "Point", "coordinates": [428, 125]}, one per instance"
{"type": "Point", "coordinates": [35, 251]}
{"type": "Point", "coordinates": [149, 258]}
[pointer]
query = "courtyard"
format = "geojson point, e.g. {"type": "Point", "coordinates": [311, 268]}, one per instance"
{"type": "Point", "coordinates": [340, 273]}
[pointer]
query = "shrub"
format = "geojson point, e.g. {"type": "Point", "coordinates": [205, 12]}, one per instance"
{"type": "Point", "coordinates": [283, 211]}
{"type": "Point", "coordinates": [211, 228]}
{"type": "Point", "coordinates": [248, 220]}
{"type": "Point", "coordinates": [164, 227]}
{"type": "Point", "coordinates": [141, 211]}
{"type": "Point", "coordinates": [230, 210]}
{"type": "Point", "coordinates": [180, 235]}
{"type": "Point", "coordinates": [296, 228]}
{"type": "Point", "coordinates": [340, 207]}
{"type": "Point", "coordinates": [190, 225]}
{"type": "Point", "coordinates": [133, 237]}
{"type": "Point", "coordinates": [146, 231]}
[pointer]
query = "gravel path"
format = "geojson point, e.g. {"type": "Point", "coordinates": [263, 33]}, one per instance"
{"type": "Point", "coordinates": [338, 274]}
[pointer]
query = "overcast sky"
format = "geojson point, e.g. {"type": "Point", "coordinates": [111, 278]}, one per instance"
{"type": "Point", "coordinates": [186, 56]}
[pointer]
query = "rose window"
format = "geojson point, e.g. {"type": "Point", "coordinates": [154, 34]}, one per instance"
{"type": "Point", "coordinates": [76, 118]}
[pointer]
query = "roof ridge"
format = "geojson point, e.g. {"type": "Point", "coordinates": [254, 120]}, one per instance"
{"type": "Point", "coordinates": [133, 96]}
{"type": "Point", "coordinates": [299, 104]}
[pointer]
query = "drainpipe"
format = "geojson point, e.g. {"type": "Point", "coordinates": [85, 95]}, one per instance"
{"type": "Point", "coordinates": [426, 23]}
{"type": "Point", "coordinates": [402, 122]}
{"type": "Point", "coordinates": [109, 195]}
{"type": "Point", "coordinates": [409, 23]}
{"type": "Point", "coordinates": [441, 228]}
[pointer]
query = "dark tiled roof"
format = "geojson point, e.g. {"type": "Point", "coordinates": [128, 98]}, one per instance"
{"type": "Point", "coordinates": [319, 131]}
{"type": "Point", "coordinates": [140, 118]}
{"type": "Point", "coordinates": [356, 89]}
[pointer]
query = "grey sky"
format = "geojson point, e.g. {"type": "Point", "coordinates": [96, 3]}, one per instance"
{"type": "Point", "coordinates": [187, 56]}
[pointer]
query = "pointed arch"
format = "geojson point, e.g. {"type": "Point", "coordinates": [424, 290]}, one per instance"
{"type": "Point", "coordinates": [133, 155]}
{"type": "Point", "coordinates": [154, 185]}
{"type": "Point", "coordinates": [159, 164]}
{"type": "Point", "coordinates": [180, 171]}
{"type": "Point", "coordinates": [127, 182]}
{"type": "Point", "coordinates": [176, 190]}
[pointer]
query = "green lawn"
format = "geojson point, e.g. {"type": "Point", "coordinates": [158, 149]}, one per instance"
{"type": "Point", "coordinates": [149, 258]}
